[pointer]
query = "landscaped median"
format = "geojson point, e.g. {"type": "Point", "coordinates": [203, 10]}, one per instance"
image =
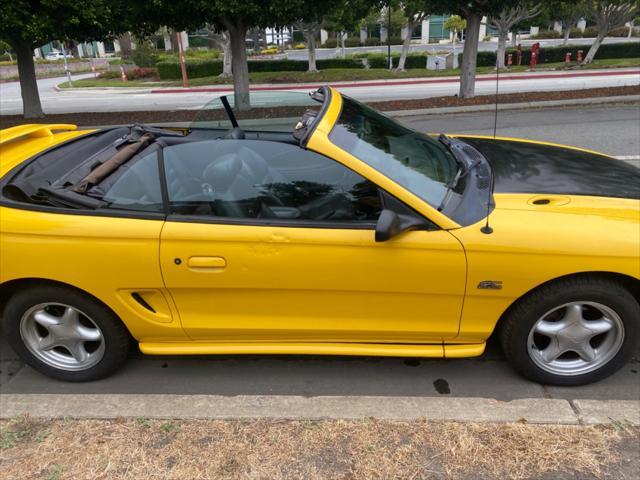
{"type": "Point", "coordinates": [331, 74]}
{"type": "Point", "coordinates": [280, 437]}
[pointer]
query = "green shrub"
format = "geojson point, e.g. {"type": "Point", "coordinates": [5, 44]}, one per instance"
{"type": "Point", "coordinates": [395, 41]}
{"type": "Point", "coordinates": [277, 65]}
{"type": "Point", "coordinates": [144, 56]}
{"type": "Point", "coordinates": [378, 62]}
{"type": "Point", "coordinates": [623, 32]}
{"type": "Point", "coordinates": [120, 61]}
{"type": "Point", "coordinates": [352, 63]}
{"type": "Point", "coordinates": [330, 43]}
{"type": "Point", "coordinates": [109, 75]}
{"type": "Point", "coordinates": [299, 46]}
{"type": "Point", "coordinates": [352, 42]}
{"type": "Point", "coordinates": [195, 69]}
{"type": "Point", "coordinates": [543, 34]}
{"type": "Point", "coordinates": [590, 32]}
{"type": "Point", "coordinates": [372, 42]}
{"type": "Point", "coordinates": [575, 33]}
{"type": "Point", "coordinates": [137, 73]}
{"type": "Point", "coordinates": [416, 61]}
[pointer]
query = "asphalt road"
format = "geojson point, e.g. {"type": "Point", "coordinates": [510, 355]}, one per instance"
{"type": "Point", "coordinates": [612, 129]}
{"type": "Point", "coordinates": [91, 100]}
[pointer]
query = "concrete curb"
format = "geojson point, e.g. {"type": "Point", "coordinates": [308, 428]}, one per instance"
{"type": "Point", "coordinates": [280, 407]}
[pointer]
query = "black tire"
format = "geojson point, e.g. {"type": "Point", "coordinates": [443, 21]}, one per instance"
{"type": "Point", "coordinates": [117, 341]}
{"type": "Point", "coordinates": [516, 326]}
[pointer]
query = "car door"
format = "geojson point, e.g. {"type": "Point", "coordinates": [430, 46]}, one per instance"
{"type": "Point", "coordinates": [266, 241]}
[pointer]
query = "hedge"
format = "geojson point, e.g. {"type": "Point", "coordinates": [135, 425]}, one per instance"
{"type": "Point", "coordinates": [557, 54]}
{"type": "Point", "coordinates": [206, 68]}
{"type": "Point", "coordinates": [196, 69]}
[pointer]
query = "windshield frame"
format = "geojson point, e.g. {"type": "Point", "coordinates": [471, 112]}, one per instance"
{"type": "Point", "coordinates": [321, 143]}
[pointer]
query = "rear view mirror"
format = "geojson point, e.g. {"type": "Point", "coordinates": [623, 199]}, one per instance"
{"type": "Point", "coordinates": [397, 218]}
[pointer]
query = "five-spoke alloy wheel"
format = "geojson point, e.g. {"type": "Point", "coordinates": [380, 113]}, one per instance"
{"type": "Point", "coordinates": [62, 336]}
{"type": "Point", "coordinates": [64, 333]}
{"type": "Point", "coordinates": [572, 331]}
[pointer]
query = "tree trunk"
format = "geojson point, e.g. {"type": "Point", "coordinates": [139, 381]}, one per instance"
{"type": "Point", "coordinates": [631, 25]}
{"type": "Point", "coordinates": [502, 47]}
{"type": "Point", "coordinates": [311, 46]}
{"type": "Point", "coordinates": [567, 33]}
{"type": "Point", "coordinates": [238, 32]}
{"type": "Point", "coordinates": [31, 106]}
{"type": "Point", "coordinates": [125, 44]}
{"type": "Point", "coordinates": [227, 56]}
{"type": "Point", "coordinates": [514, 39]}
{"type": "Point", "coordinates": [594, 48]}
{"type": "Point", "coordinates": [470, 56]}
{"type": "Point", "coordinates": [406, 44]}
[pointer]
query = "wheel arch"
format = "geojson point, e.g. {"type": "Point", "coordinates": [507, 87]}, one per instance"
{"type": "Point", "coordinates": [631, 284]}
{"type": "Point", "coordinates": [11, 287]}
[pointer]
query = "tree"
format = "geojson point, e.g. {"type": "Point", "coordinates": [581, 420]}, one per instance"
{"type": "Point", "coordinates": [344, 17]}
{"type": "Point", "coordinates": [506, 19]}
{"type": "Point", "coordinates": [414, 12]}
{"type": "Point", "coordinates": [472, 11]}
{"type": "Point", "coordinates": [27, 24]}
{"type": "Point", "coordinates": [236, 17]}
{"type": "Point", "coordinates": [568, 13]}
{"type": "Point", "coordinates": [310, 21]}
{"type": "Point", "coordinates": [608, 14]}
{"type": "Point", "coordinates": [222, 40]}
{"type": "Point", "coordinates": [455, 24]}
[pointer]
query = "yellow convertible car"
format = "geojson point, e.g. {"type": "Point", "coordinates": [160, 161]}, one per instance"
{"type": "Point", "coordinates": [343, 233]}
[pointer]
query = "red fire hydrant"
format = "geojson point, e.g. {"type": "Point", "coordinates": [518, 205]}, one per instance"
{"type": "Point", "coordinates": [509, 60]}
{"type": "Point", "coordinates": [579, 56]}
{"type": "Point", "coordinates": [567, 59]}
{"type": "Point", "coordinates": [535, 49]}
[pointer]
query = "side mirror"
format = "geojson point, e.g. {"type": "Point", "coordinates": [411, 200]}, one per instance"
{"type": "Point", "coordinates": [388, 225]}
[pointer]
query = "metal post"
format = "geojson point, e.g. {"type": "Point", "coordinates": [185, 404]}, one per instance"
{"type": "Point", "coordinates": [66, 65]}
{"type": "Point", "coordinates": [183, 66]}
{"type": "Point", "coordinates": [389, 37]}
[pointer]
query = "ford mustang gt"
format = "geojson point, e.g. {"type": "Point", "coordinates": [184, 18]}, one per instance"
{"type": "Point", "coordinates": [319, 226]}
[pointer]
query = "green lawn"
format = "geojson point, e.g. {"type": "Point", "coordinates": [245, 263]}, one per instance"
{"type": "Point", "coordinates": [337, 75]}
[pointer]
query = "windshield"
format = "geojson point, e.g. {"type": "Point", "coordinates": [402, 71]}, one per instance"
{"type": "Point", "coordinates": [418, 162]}
{"type": "Point", "coordinates": [268, 111]}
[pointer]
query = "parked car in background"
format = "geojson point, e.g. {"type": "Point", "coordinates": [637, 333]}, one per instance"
{"type": "Point", "coordinates": [56, 55]}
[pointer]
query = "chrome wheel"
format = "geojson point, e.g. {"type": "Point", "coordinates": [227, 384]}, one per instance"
{"type": "Point", "coordinates": [576, 338]}
{"type": "Point", "coordinates": [62, 336]}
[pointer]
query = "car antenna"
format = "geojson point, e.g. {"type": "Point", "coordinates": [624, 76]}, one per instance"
{"type": "Point", "coordinates": [486, 229]}
{"type": "Point", "coordinates": [495, 116]}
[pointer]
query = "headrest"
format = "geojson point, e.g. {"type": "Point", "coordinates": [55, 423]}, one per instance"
{"type": "Point", "coordinates": [235, 133]}
{"type": "Point", "coordinates": [221, 173]}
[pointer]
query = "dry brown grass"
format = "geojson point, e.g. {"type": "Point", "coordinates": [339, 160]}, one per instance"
{"type": "Point", "coordinates": [148, 449]}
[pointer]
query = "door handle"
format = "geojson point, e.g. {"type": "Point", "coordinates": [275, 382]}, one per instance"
{"type": "Point", "coordinates": [207, 263]}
